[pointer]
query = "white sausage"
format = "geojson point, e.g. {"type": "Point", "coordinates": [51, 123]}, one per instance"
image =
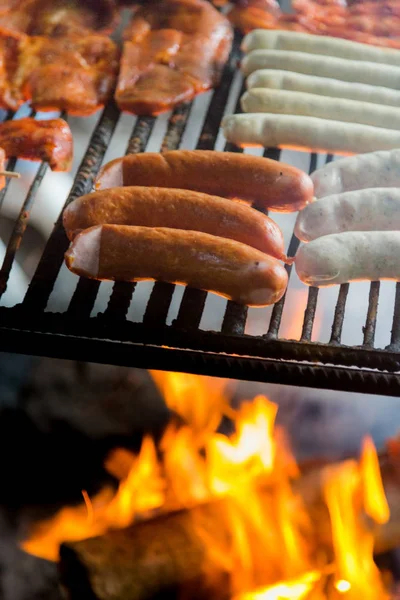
{"type": "Point", "coordinates": [350, 256]}
{"type": "Point", "coordinates": [262, 39]}
{"type": "Point", "coordinates": [362, 210]}
{"type": "Point", "coordinates": [310, 64]}
{"type": "Point", "coordinates": [375, 169]}
{"type": "Point", "coordinates": [318, 135]}
{"type": "Point", "coordinates": [322, 86]}
{"type": "Point", "coordinates": [260, 100]}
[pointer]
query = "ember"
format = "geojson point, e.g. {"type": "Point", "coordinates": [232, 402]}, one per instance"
{"type": "Point", "coordinates": [264, 536]}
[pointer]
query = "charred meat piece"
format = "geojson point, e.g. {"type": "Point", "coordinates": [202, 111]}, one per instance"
{"type": "Point", "coordinates": [174, 50]}
{"type": "Point", "coordinates": [59, 17]}
{"type": "Point", "coordinates": [10, 45]}
{"type": "Point", "coordinates": [73, 74]}
{"type": "Point", "coordinates": [49, 141]}
{"type": "Point", "coordinates": [376, 23]}
{"type": "Point", "coordinates": [2, 168]}
{"type": "Point", "coordinates": [64, 17]}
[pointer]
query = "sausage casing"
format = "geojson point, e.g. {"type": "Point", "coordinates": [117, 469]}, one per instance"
{"type": "Point", "coordinates": [288, 102]}
{"type": "Point", "coordinates": [310, 133]}
{"type": "Point", "coordinates": [176, 209]}
{"type": "Point", "coordinates": [227, 267]}
{"type": "Point", "coordinates": [261, 39]}
{"type": "Point", "coordinates": [311, 64]}
{"type": "Point", "coordinates": [351, 256]}
{"type": "Point", "coordinates": [371, 170]}
{"type": "Point", "coordinates": [361, 210]}
{"type": "Point", "coordinates": [322, 86]}
{"type": "Point", "coordinates": [263, 181]}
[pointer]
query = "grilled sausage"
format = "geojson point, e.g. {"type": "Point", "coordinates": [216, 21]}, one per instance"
{"type": "Point", "coordinates": [2, 168]}
{"type": "Point", "coordinates": [375, 169]}
{"type": "Point", "coordinates": [362, 210]}
{"type": "Point", "coordinates": [322, 86]}
{"type": "Point", "coordinates": [261, 39]}
{"type": "Point", "coordinates": [350, 256]}
{"type": "Point", "coordinates": [176, 209]}
{"type": "Point", "coordinates": [310, 64]}
{"type": "Point", "coordinates": [227, 267]}
{"type": "Point", "coordinates": [265, 182]}
{"type": "Point", "coordinates": [310, 133]}
{"type": "Point", "coordinates": [262, 100]}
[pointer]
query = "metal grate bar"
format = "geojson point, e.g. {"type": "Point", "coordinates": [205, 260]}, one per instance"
{"type": "Point", "coordinates": [218, 102]}
{"type": "Point", "coordinates": [370, 324]}
{"type": "Point", "coordinates": [309, 314]}
{"type": "Point", "coordinates": [158, 305]}
{"type": "Point", "coordinates": [338, 319]}
{"type": "Point", "coordinates": [161, 294]}
{"type": "Point", "coordinates": [185, 346]}
{"type": "Point", "coordinates": [191, 309]}
{"type": "Point", "coordinates": [11, 163]}
{"type": "Point", "coordinates": [10, 167]}
{"type": "Point", "coordinates": [276, 315]}
{"type": "Point", "coordinates": [272, 153]}
{"type": "Point", "coordinates": [20, 227]}
{"type": "Point", "coordinates": [395, 336]}
{"type": "Point", "coordinates": [83, 298]}
{"type": "Point", "coordinates": [43, 281]}
{"type": "Point", "coordinates": [235, 317]}
{"type": "Point", "coordinates": [122, 292]}
{"type": "Point", "coordinates": [22, 220]}
{"type": "Point", "coordinates": [176, 127]}
{"type": "Point", "coordinates": [193, 301]}
{"type": "Point", "coordinates": [140, 135]}
{"type": "Point", "coordinates": [313, 163]}
{"type": "Point", "coordinates": [277, 311]}
{"type": "Point", "coordinates": [120, 299]}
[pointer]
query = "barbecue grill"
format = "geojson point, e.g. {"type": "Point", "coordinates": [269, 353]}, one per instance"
{"type": "Point", "coordinates": [229, 350]}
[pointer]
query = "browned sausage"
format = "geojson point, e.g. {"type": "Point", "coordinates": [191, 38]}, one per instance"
{"type": "Point", "coordinates": [178, 209]}
{"type": "Point", "coordinates": [2, 168]}
{"type": "Point", "coordinates": [266, 182]}
{"type": "Point", "coordinates": [129, 253]}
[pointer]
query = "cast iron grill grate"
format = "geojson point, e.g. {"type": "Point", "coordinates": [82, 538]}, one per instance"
{"type": "Point", "coordinates": [112, 337]}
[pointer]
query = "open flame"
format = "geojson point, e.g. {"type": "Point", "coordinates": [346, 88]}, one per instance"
{"type": "Point", "coordinates": [271, 553]}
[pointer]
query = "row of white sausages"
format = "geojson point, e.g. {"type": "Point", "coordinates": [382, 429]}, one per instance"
{"type": "Point", "coordinates": [353, 229]}
{"type": "Point", "coordinates": [318, 93]}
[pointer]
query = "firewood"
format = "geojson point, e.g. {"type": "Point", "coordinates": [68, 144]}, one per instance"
{"type": "Point", "coordinates": [165, 557]}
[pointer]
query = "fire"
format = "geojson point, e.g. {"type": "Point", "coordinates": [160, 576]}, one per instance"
{"type": "Point", "coordinates": [294, 590]}
{"type": "Point", "coordinates": [351, 489]}
{"type": "Point", "coordinates": [248, 453]}
{"type": "Point", "coordinates": [269, 551]}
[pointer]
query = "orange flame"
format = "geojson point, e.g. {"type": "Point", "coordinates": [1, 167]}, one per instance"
{"type": "Point", "coordinates": [253, 471]}
{"type": "Point", "coordinates": [351, 489]}
{"type": "Point", "coordinates": [293, 590]}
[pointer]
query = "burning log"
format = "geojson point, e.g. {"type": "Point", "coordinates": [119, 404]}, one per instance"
{"type": "Point", "coordinates": [160, 558]}
{"type": "Point", "coordinates": [171, 556]}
